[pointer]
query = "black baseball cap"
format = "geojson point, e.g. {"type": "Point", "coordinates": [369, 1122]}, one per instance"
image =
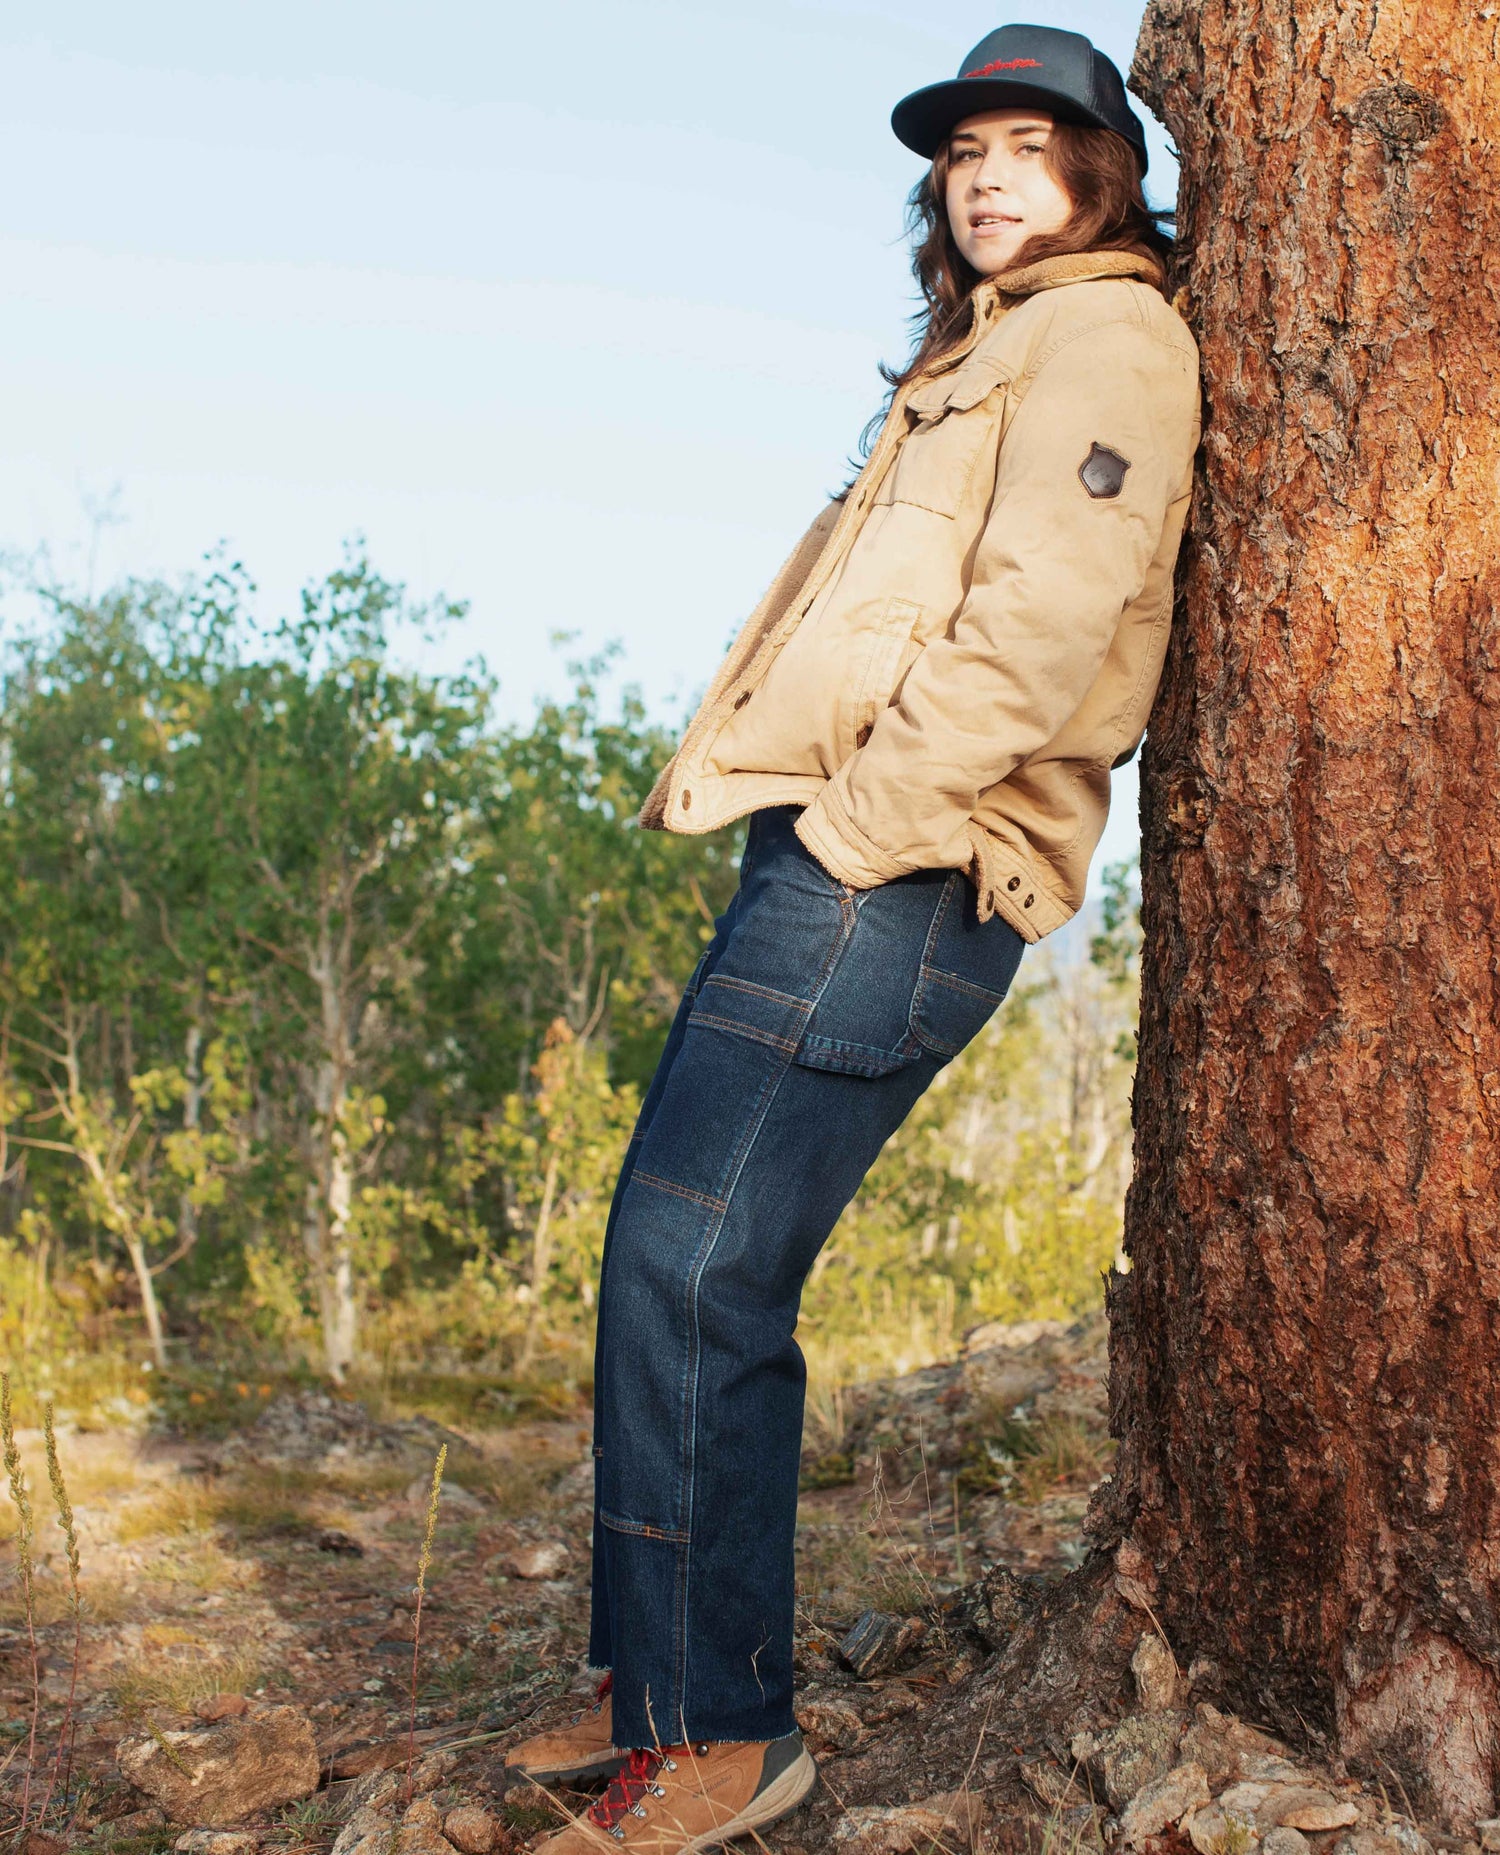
{"type": "Point", "coordinates": [1060, 72]}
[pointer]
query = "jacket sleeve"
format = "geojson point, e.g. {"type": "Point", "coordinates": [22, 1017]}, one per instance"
{"type": "Point", "coordinates": [1054, 570]}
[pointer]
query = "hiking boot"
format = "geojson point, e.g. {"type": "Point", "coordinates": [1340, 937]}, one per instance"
{"type": "Point", "coordinates": [679, 1799]}
{"type": "Point", "coordinates": [573, 1754]}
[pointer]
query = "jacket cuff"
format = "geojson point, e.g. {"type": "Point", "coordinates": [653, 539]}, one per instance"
{"type": "Point", "coordinates": [827, 830]}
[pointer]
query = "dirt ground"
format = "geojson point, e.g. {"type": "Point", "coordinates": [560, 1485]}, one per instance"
{"type": "Point", "coordinates": [279, 1563]}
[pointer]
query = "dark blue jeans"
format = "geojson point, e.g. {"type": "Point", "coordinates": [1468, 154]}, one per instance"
{"type": "Point", "coordinates": [815, 1019]}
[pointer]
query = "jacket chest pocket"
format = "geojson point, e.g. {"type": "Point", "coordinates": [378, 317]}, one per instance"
{"type": "Point", "coordinates": [955, 415]}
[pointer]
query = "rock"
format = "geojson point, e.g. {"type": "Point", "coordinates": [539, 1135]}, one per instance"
{"type": "Point", "coordinates": [453, 1498]}
{"type": "Point", "coordinates": [1272, 1768]}
{"type": "Point", "coordinates": [878, 1641]}
{"type": "Point", "coordinates": [312, 1425]}
{"type": "Point", "coordinates": [1140, 1749]}
{"type": "Point", "coordinates": [1010, 1336]}
{"type": "Point", "coordinates": [215, 1707]}
{"type": "Point", "coordinates": [361, 1833]}
{"type": "Point", "coordinates": [1223, 1745]}
{"type": "Point", "coordinates": [214, 1775]}
{"type": "Point", "coordinates": [830, 1723]}
{"type": "Point", "coordinates": [1285, 1841]}
{"type": "Point", "coordinates": [1164, 1800]}
{"type": "Point", "coordinates": [1049, 1783]}
{"type": "Point", "coordinates": [217, 1842]}
{"type": "Point", "coordinates": [422, 1813]}
{"type": "Point", "coordinates": [1156, 1674]}
{"type": "Point", "coordinates": [545, 1561]}
{"type": "Point", "coordinates": [332, 1539]}
{"type": "Point", "coordinates": [368, 1832]}
{"type": "Point", "coordinates": [1408, 1837]}
{"type": "Point", "coordinates": [899, 1829]}
{"type": "Point", "coordinates": [137, 1823]}
{"type": "Point", "coordinates": [38, 1842]}
{"type": "Point", "coordinates": [471, 1829]}
{"type": "Point", "coordinates": [1367, 1842]}
{"type": "Point", "coordinates": [1244, 1800]}
{"type": "Point", "coordinates": [431, 1770]}
{"type": "Point", "coordinates": [996, 1606]}
{"type": "Point", "coordinates": [355, 1761]}
{"type": "Point", "coordinates": [376, 1789]}
{"type": "Point", "coordinates": [577, 1483]}
{"type": "Point", "coordinates": [1488, 1831]}
{"type": "Point", "coordinates": [1303, 1807]}
{"type": "Point", "coordinates": [1213, 1832]}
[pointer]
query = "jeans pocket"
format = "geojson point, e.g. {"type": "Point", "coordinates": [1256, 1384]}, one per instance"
{"type": "Point", "coordinates": [860, 1023]}
{"type": "Point", "coordinates": [967, 969]}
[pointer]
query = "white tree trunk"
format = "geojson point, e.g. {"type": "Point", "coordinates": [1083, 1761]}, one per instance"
{"type": "Point", "coordinates": [192, 1120]}
{"type": "Point", "coordinates": [325, 1229]}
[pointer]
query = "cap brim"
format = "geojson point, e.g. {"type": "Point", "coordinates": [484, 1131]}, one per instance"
{"type": "Point", "coordinates": [926, 117]}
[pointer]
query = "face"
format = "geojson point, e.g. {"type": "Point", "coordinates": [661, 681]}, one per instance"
{"type": "Point", "coordinates": [999, 192]}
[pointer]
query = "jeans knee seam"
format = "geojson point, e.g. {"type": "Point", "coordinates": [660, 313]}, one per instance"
{"type": "Point", "coordinates": [755, 1122]}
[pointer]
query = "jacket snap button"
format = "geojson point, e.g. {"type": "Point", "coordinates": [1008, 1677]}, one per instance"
{"type": "Point", "coordinates": [1014, 883]}
{"type": "Point", "coordinates": [1029, 900]}
{"type": "Point", "coordinates": [687, 801]}
{"type": "Point", "coordinates": [862, 736]}
{"type": "Point", "coordinates": [742, 698]}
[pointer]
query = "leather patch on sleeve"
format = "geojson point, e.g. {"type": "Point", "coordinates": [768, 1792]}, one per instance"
{"type": "Point", "coordinates": [1102, 472]}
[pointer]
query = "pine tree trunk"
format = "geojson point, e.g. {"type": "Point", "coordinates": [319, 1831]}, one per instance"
{"type": "Point", "coordinates": [1306, 1352]}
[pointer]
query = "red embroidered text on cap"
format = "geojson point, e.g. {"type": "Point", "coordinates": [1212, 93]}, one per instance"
{"type": "Point", "coordinates": [1006, 64]}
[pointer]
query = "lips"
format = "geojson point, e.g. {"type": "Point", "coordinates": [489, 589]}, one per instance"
{"type": "Point", "coordinates": [991, 222]}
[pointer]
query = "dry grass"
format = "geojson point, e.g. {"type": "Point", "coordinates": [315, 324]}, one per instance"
{"type": "Point", "coordinates": [1027, 1460]}
{"type": "Point", "coordinates": [201, 1567]}
{"type": "Point", "coordinates": [176, 1672]}
{"type": "Point", "coordinates": [173, 1511]}
{"type": "Point", "coordinates": [105, 1600]}
{"type": "Point", "coordinates": [1066, 1453]}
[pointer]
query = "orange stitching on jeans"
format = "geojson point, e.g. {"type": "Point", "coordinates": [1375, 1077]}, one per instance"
{"type": "Point", "coordinates": [680, 1191]}
{"type": "Point", "coordinates": [742, 1030]}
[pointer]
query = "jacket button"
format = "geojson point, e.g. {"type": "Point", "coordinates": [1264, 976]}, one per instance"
{"type": "Point", "coordinates": [1029, 900]}
{"type": "Point", "coordinates": [862, 736]}
{"type": "Point", "coordinates": [989, 900]}
{"type": "Point", "coordinates": [742, 698]}
{"type": "Point", "coordinates": [1014, 883]}
{"type": "Point", "coordinates": [687, 801]}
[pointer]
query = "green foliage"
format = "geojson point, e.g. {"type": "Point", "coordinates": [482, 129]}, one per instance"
{"type": "Point", "coordinates": [326, 1007]}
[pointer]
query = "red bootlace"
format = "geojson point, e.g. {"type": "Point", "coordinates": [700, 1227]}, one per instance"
{"type": "Point", "coordinates": [604, 1686]}
{"type": "Point", "coordinates": [627, 1787]}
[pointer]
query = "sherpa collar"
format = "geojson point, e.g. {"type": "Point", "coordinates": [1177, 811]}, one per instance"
{"type": "Point", "coordinates": [997, 294]}
{"type": "Point", "coordinates": [1068, 267]}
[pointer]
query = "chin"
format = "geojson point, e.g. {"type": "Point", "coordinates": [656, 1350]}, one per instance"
{"type": "Point", "coordinates": [989, 261]}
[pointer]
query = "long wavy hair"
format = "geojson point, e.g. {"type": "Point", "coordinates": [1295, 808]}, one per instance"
{"type": "Point", "coordinates": [1098, 171]}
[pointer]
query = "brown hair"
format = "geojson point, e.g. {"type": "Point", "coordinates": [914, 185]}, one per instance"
{"type": "Point", "coordinates": [1098, 171]}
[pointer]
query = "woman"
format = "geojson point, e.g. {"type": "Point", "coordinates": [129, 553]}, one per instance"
{"type": "Point", "coordinates": [920, 717]}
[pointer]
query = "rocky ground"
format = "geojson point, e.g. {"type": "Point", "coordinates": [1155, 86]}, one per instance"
{"type": "Point", "coordinates": [250, 1638]}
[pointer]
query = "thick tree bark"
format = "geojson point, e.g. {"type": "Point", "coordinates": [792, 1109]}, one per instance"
{"type": "Point", "coordinates": [1306, 1352]}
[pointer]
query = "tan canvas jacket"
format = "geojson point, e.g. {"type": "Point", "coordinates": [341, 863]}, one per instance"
{"type": "Point", "coordinates": [955, 655]}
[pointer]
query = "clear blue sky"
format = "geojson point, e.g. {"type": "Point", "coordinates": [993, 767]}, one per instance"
{"type": "Point", "coordinates": [572, 311]}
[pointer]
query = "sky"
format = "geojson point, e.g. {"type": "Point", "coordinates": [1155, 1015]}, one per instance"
{"type": "Point", "coordinates": [570, 312]}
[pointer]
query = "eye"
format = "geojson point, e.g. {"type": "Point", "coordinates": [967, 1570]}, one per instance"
{"type": "Point", "coordinates": [963, 154]}
{"type": "Point", "coordinates": [1038, 146]}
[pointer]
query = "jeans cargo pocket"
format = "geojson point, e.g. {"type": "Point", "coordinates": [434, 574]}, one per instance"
{"type": "Point", "coordinates": [967, 968]}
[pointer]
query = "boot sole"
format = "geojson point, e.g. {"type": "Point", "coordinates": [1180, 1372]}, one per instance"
{"type": "Point", "coordinates": [778, 1799]}
{"type": "Point", "coordinates": [568, 1774]}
